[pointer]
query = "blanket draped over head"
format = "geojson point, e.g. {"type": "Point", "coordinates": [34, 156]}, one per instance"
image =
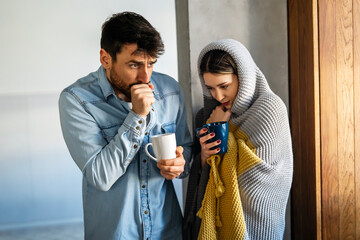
{"type": "Point", "coordinates": [243, 193]}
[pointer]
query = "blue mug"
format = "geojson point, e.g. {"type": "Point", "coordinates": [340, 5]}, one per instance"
{"type": "Point", "coordinates": [221, 130]}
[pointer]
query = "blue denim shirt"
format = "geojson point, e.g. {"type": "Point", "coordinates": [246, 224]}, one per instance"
{"type": "Point", "coordinates": [124, 194]}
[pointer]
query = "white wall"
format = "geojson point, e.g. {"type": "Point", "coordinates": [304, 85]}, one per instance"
{"type": "Point", "coordinates": [45, 46]}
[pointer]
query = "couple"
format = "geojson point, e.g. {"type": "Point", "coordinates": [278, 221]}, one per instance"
{"type": "Point", "coordinates": [109, 116]}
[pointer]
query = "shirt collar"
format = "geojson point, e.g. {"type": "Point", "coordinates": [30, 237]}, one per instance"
{"type": "Point", "coordinates": [104, 83]}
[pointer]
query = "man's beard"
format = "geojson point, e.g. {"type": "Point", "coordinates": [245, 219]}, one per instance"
{"type": "Point", "coordinates": [119, 85]}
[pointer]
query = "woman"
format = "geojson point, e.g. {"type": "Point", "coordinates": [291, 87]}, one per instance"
{"type": "Point", "coordinates": [243, 195]}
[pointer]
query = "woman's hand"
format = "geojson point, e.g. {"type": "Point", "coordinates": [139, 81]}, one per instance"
{"type": "Point", "coordinates": [206, 152]}
{"type": "Point", "coordinates": [219, 115]}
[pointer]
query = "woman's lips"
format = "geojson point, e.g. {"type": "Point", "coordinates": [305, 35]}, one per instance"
{"type": "Point", "coordinates": [225, 103]}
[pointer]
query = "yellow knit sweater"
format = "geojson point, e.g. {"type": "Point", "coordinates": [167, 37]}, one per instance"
{"type": "Point", "coordinates": [221, 211]}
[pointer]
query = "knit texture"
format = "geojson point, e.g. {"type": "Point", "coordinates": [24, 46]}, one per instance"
{"type": "Point", "coordinates": [262, 120]}
{"type": "Point", "coordinates": [222, 192]}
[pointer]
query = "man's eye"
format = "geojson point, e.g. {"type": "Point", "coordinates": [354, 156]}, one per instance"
{"type": "Point", "coordinates": [133, 65]}
{"type": "Point", "coordinates": [150, 65]}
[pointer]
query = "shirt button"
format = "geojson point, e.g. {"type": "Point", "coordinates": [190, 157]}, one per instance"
{"type": "Point", "coordinates": [145, 133]}
{"type": "Point", "coordinates": [152, 109]}
{"type": "Point", "coordinates": [145, 212]}
{"type": "Point", "coordinates": [135, 146]}
{"type": "Point", "coordinates": [143, 186]}
{"type": "Point", "coordinates": [140, 122]}
{"type": "Point", "coordinates": [144, 160]}
{"type": "Point", "coordinates": [137, 127]}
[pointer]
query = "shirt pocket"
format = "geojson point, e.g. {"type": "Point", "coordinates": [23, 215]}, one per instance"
{"type": "Point", "coordinates": [110, 132]}
{"type": "Point", "coordinates": [168, 128]}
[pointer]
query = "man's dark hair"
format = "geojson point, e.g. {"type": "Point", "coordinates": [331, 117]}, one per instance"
{"type": "Point", "coordinates": [126, 28]}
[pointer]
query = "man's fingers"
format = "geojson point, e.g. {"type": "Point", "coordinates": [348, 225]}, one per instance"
{"type": "Point", "coordinates": [140, 85]}
{"type": "Point", "coordinates": [144, 98]}
{"type": "Point", "coordinates": [168, 176]}
{"type": "Point", "coordinates": [171, 162]}
{"type": "Point", "coordinates": [179, 151]}
{"type": "Point", "coordinates": [172, 169]}
{"type": "Point", "coordinates": [142, 91]}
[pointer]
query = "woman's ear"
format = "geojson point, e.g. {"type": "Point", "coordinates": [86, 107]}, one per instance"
{"type": "Point", "coordinates": [105, 59]}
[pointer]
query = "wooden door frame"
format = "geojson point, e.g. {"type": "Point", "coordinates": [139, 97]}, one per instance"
{"type": "Point", "coordinates": [304, 119]}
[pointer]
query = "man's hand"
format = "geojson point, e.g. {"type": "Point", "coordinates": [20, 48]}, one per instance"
{"type": "Point", "coordinates": [172, 168]}
{"type": "Point", "coordinates": [142, 98]}
{"type": "Point", "coordinates": [219, 115]}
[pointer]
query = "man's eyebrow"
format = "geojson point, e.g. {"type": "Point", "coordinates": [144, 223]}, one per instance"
{"type": "Point", "coordinates": [140, 62]}
{"type": "Point", "coordinates": [134, 61]}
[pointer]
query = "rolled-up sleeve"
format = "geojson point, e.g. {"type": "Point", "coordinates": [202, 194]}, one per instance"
{"type": "Point", "coordinates": [101, 162]}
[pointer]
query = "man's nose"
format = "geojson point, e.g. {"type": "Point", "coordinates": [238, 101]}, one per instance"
{"type": "Point", "coordinates": [144, 74]}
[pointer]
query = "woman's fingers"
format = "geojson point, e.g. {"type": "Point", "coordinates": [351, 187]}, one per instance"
{"type": "Point", "coordinates": [207, 148]}
{"type": "Point", "coordinates": [213, 144]}
{"type": "Point", "coordinates": [202, 131]}
{"type": "Point", "coordinates": [207, 153]}
{"type": "Point", "coordinates": [206, 137]}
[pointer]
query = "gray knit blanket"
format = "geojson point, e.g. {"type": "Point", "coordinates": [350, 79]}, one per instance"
{"type": "Point", "coordinates": [262, 116]}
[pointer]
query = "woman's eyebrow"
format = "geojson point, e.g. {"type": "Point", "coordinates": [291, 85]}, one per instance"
{"type": "Point", "coordinates": [223, 83]}
{"type": "Point", "coordinates": [219, 85]}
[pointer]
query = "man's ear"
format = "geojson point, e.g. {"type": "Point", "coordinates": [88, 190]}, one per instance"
{"type": "Point", "coordinates": [105, 59]}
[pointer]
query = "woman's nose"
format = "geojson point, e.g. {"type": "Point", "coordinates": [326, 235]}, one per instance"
{"type": "Point", "coordinates": [218, 95]}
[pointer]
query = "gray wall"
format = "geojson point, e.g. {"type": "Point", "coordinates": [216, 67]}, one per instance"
{"type": "Point", "coordinates": [260, 25]}
{"type": "Point", "coordinates": [45, 46]}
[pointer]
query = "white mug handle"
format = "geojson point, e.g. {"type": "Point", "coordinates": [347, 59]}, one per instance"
{"type": "Point", "coordinates": [147, 153]}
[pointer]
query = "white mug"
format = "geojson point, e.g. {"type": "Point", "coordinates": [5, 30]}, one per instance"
{"type": "Point", "coordinates": [164, 146]}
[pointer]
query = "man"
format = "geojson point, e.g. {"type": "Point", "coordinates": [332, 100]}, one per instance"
{"type": "Point", "coordinates": [108, 117]}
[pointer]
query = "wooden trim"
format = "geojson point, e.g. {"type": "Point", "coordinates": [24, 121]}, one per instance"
{"type": "Point", "coordinates": [317, 119]}
{"type": "Point", "coordinates": [331, 209]}
{"type": "Point", "coordinates": [345, 111]}
{"type": "Point", "coordinates": [356, 27]}
{"type": "Point", "coordinates": [328, 96]}
{"type": "Point", "coordinates": [304, 114]}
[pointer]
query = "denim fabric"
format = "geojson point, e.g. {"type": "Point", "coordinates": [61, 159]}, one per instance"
{"type": "Point", "coordinates": [124, 194]}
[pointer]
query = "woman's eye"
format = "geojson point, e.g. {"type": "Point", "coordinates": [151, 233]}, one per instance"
{"type": "Point", "coordinates": [210, 88]}
{"type": "Point", "coordinates": [225, 87]}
